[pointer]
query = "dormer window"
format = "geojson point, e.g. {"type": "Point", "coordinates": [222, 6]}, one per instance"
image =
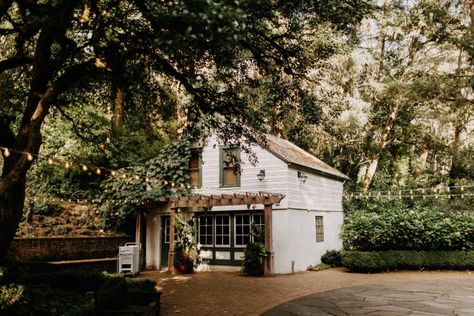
{"type": "Point", "coordinates": [195, 168]}
{"type": "Point", "coordinates": [229, 167]}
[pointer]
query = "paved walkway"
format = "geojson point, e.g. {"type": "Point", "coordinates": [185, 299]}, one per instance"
{"type": "Point", "coordinates": [229, 293]}
{"type": "Point", "coordinates": [436, 298]}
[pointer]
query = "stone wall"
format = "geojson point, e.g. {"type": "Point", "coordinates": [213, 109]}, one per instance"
{"type": "Point", "coordinates": [66, 248]}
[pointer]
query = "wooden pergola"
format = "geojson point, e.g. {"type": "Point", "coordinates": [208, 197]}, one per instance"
{"type": "Point", "coordinates": [210, 198]}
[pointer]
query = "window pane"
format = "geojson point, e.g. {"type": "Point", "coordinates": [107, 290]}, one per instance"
{"type": "Point", "coordinates": [230, 162]}
{"type": "Point", "coordinates": [194, 164]}
{"type": "Point", "coordinates": [242, 229]}
{"type": "Point", "coordinates": [230, 176]}
{"type": "Point", "coordinates": [194, 178]}
{"type": "Point", "coordinates": [205, 230]}
{"type": "Point", "coordinates": [222, 230]}
{"type": "Point", "coordinates": [319, 227]}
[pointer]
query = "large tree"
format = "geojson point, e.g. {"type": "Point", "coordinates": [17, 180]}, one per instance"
{"type": "Point", "coordinates": [212, 50]}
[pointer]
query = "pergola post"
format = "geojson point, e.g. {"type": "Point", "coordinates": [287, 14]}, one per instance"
{"type": "Point", "coordinates": [269, 266]}
{"type": "Point", "coordinates": [171, 252]}
{"type": "Point", "coordinates": [138, 227]}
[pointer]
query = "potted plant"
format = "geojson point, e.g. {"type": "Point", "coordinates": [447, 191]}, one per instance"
{"type": "Point", "coordinates": [186, 249]}
{"type": "Point", "coordinates": [255, 253]}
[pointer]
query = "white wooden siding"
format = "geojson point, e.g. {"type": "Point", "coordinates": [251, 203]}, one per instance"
{"type": "Point", "coordinates": [276, 174]}
{"type": "Point", "coordinates": [317, 193]}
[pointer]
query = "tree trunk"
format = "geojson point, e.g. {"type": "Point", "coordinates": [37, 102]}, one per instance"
{"type": "Point", "coordinates": [374, 161]}
{"type": "Point", "coordinates": [12, 198]}
{"type": "Point", "coordinates": [119, 101]}
{"type": "Point", "coordinates": [454, 170]}
{"type": "Point", "coordinates": [28, 138]}
{"type": "Point", "coordinates": [369, 175]}
{"type": "Point", "coordinates": [421, 162]}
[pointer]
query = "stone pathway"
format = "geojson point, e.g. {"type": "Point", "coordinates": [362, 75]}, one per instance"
{"type": "Point", "coordinates": [309, 293]}
{"type": "Point", "coordinates": [440, 297]}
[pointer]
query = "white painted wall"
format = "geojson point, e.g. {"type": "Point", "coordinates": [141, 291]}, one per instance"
{"type": "Point", "coordinates": [294, 238]}
{"type": "Point", "coordinates": [153, 241]}
{"type": "Point", "coordinates": [317, 193]}
{"type": "Point", "coordinates": [276, 174]}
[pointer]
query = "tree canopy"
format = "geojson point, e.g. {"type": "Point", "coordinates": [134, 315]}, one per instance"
{"type": "Point", "coordinates": [146, 63]}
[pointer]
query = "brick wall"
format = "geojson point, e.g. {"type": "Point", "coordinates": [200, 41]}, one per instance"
{"type": "Point", "coordinates": [66, 248]}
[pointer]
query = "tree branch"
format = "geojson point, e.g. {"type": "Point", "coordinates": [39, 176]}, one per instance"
{"type": "Point", "coordinates": [15, 62]}
{"type": "Point", "coordinates": [7, 138]}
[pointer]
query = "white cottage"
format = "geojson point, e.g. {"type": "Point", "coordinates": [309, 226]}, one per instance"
{"type": "Point", "coordinates": [296, 196]}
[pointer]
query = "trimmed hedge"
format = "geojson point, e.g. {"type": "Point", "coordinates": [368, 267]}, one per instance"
{"type": "Point", "coordinates": [377, 261]}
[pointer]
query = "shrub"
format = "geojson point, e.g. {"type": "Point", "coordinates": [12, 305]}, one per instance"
{"type": "Point", "coordinates": [62, 293]}
{"type": "Point", "coordinates": [402, 228]}
{"type": "Point", "coordinates": [332, 258]}
{"type": "Point", "coordinates": [376, 261]}
{"type": "Point", "coordinates": [253, 259]}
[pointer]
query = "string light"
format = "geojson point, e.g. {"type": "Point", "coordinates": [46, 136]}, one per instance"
{"type": "Point", "coordinates": [98, 171]}
{"type": "Point", "coordinates": [29, 157]}
{"type": "Point", "coordinates": [6, 152]}
{"type": "Point", "coordinates": [50, 161]}
{"type": "Point", "coordinates": [84, 168]}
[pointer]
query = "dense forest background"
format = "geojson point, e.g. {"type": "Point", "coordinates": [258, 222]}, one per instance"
{"type": "Point", "coordinates": [388, 99]}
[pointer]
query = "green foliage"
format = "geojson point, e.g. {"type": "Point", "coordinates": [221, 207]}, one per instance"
{"type": "Point", "coordinates": [378, 261]}
{"type": "Point", "coordinates": [187, 251]}
{"type": "Point", "coordinates": [332, 258]}
{"type": "Point", "coordinates": [398, 227]}
{"type": "Point", "coordinates": [164, 175]}
{"type": "Point", "coordinates": [255, 253]}
{"type": "Point", "coordinates": [10, 295]}
{"type": "Point", "coordinates": [62, 293]}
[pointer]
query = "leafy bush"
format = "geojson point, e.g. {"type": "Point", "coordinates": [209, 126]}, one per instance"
{"type": "Point", "coordinates": [332, 258]}
{"type": "Point", "coordinates": [9, 295]}
{"type": "Point", "coordinates": [62, 293]}
{"type": "Point", "coordinates": [253, 259]}
{"type": "Point", "coordinates": [376, 261]}
{"type": "Point", "coordinates": [255, 253]}
{"type": "Point", "coordinates": [403, 228]}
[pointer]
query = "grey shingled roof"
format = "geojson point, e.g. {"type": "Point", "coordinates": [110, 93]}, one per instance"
{"type": "Point", "coordinates": [292, 154]}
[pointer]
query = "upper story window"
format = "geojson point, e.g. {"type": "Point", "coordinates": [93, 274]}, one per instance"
{"type": "Point", "coordinates": [229, 167]}
{"type": "Point", "coordinates": [195, 169]}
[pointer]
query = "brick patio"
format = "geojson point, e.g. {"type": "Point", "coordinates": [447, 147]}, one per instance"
{"type": "Point", "coordinates": [229, 293]}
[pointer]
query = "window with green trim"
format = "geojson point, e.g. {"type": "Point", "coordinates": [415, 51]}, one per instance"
{"type": "Point", "coordinates": [229, 173]}
{"type": "Point", "coordinates": [195, 168]}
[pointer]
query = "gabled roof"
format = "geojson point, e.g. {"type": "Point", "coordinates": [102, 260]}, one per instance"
{"type": "Point", "coordinates": [293, 155]}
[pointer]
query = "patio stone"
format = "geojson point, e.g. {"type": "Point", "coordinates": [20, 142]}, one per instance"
{"type": "Point", "coordinates": [330, 292]}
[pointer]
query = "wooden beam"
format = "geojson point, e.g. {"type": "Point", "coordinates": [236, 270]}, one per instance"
{"type": "Point", "coordinates": [171, 252]}
{"type": "Point", "coordinates": [269, 262]}
{"type": "Point", "coordinates": [138, 227]}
